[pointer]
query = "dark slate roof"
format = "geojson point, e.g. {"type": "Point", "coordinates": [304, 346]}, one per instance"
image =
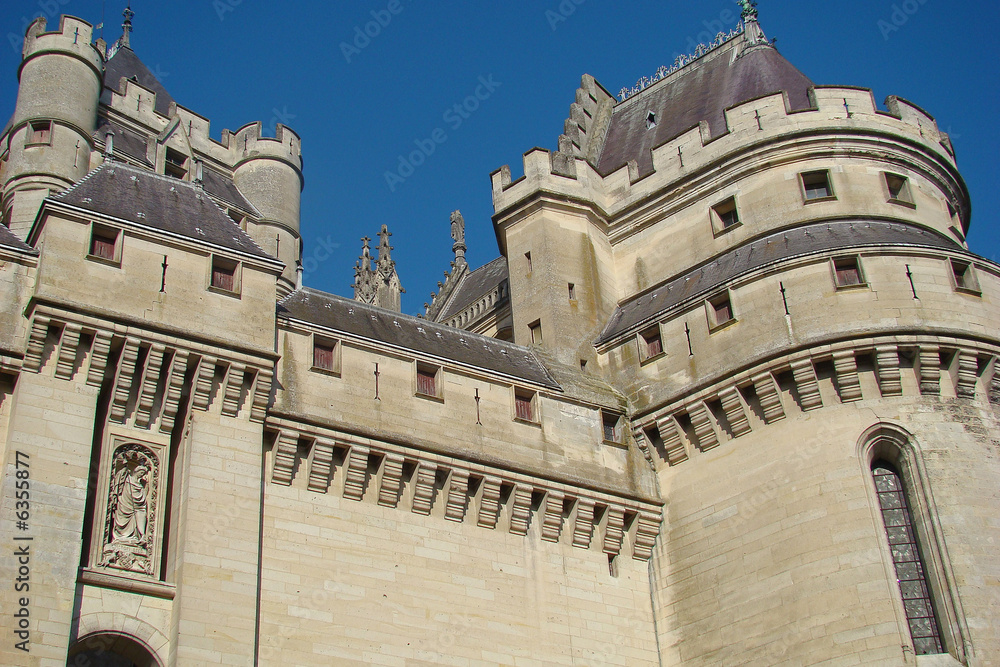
{"type": "Point", "coordinates": [475, 285]}
{"type": "Point", "coordinates": [700, 91]}
{"type": "Point", "coordinates": [126, 64]}
{"type": "Point", "coordinates": [411, 333]}
{"type": "Point", "coordinates": [223, 188]}
{"type": "Point", "coordinates": [9, 240]}
{"type": "Point", "coordinates": [158, 202]}
{"type": "Point", "coordinates": [126, 141]}
{"type": "Point", "coordinates": [808, 240]}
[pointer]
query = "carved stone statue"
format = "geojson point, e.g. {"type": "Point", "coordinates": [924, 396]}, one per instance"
{"type": "Point", "coordinates": [458, 227]}
{"type": "Point", "coordinates": [129, 523]}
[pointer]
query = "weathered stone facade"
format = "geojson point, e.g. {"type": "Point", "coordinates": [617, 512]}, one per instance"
{"type": "Point", "coordinates": [643, 435]}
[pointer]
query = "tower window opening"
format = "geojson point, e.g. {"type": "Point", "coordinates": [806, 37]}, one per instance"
{"type": "Point", "coordinates": [427, 380]}
{"type": "Point", "coordinates": [225, 275]}
{"type": "Point", "coordinates": [40, 132]}
{"type": "Point", "coordinates": [650, 120]}
{"type": "Point", "coordinates": [524, 406]}
{"type": "Point", "coordinates": [175, 164]}
{"type": "Point", "coordinates": [104, 243]}
{"type": "Point", "coordinates": [572, 292]}
{"type": "Point", "coordinates": [964, 275]}
{"type": "Point", "coordinates": [899, 189]}
{"type": "Point", "coordinates": [720, 312]}
{"type": "Point", "coordinates": [847, 272]}
{"type": "Point", "coordinates": [817, 185]}
{"type": "Point", "coordinates": [725, 216]}
{"type": "Point", "coordinates": [910, 571]}
{"type": "Point", "coordinates": [651, 343]}
{"type": "Point", "coordinates": [527, 260]}
{"type": "Point", "coordinates": [535, 329]}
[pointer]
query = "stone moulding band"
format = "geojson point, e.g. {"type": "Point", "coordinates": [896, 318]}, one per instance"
{"type": "Point", "coordinates": [468, 492]}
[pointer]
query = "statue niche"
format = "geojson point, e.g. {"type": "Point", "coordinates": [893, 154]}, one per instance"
{"type": "Point", "coordinates": [131, 513]}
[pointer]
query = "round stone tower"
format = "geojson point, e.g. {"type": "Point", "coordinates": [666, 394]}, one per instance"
{"type": "Point", "coordinates": [56, 114]}
{"type": "Point", "coordinates": [269, 172]}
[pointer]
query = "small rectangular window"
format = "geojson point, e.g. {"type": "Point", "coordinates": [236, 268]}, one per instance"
{"type": "Point", "coordinates": [524, 405]}
{"type": "Point", "coordinates": [964, 276]}
{"type": "Point", "coordinates": [572, 292]}
{"type": "Point", "coordinates": [40, 132]}
{"type": "Point", "coordinates": [527, 260]}
{"type": "Point", "coordinates": [725, 216]}
{"type": "Point", "coordinates": [720, 312]}
{"type": "Point", "coordinates": [535, 329]}
{"type": "Point", "coordinates": [612, 424]}
{"type": "Point", "coordinates": [651, 343]}
{"type": "Point", "coordinates": [225, 275]}
{"type": "Point", "coordinates": [104, 243]}
{"type": "Point", "coordinates": [175, 164]}
{"type": "Point", "coordinates": [816, 185]}
{"type": "Point", "coordinates": [847, 272]}
{"type": "Point", "coordinates": [427, 380]}
{"type": "Point", "coordinates": [899, 189]}
{"type": "Point", "coordinates": [324, 354]}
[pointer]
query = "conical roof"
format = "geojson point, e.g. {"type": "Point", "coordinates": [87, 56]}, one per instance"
{"type": "Point", "coordinates": [700, 91]}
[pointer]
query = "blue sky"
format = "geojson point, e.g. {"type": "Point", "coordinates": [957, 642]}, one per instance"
{"type": "Point", "coordinates": [358, 109]}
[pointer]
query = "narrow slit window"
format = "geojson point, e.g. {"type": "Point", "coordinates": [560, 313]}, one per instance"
{"type": "Point", "coordinates": [910, 571]}
{"type": "Point", "coordinates": [817, 185]}
{"type": "Point", "coordinates": [572, 292]}
{"type": "Point", "coordinates": [848, 272]}
{"type": "Point", "coordinates": [527, 260]}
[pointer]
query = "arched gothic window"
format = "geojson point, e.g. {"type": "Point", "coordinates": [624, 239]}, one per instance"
{"type": "Point", "coordinates": [911, 572]}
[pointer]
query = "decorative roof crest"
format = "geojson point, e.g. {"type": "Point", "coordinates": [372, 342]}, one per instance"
{"type": "Point", "coordinates": [748, 24]}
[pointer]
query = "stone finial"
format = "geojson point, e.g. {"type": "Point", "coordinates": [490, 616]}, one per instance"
{"type": "Point", "coordinates": [458, 236]}
{"type": "Point", "coordinates": [375, 279]}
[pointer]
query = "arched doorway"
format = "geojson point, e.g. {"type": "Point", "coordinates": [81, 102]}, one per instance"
{"type": "Point", "coordinates": [110, 650]}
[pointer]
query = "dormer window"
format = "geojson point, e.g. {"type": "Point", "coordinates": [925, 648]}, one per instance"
{"type": "Point", "coordinates": [650, 120]}
{"type": "Point", "coordinates": [175, 164]}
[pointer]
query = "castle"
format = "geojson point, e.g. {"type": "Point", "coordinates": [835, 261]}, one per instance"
{"type": "Point", "coordinates": [730, 394]}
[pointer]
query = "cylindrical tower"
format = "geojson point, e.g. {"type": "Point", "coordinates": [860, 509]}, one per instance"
{"type": "Point", "coordinates": [269, 173]}
{"type": "Point", "coordinates": [56, 114]}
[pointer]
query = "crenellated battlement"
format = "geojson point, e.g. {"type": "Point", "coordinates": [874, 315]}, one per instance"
{"type": "Point", "coordinates": [73, 38]}
{"type": "Point", "coordinates": [249, 143]}
{"type": "Point", "coordinates": [757, 125]}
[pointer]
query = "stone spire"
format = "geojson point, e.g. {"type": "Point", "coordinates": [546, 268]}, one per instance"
{"type": "Point", "coordinates": [375, 280]}
{"type": "Point", "coordinates": [458, 236]}
{"type": "Point", "coordinates": [127, 26]}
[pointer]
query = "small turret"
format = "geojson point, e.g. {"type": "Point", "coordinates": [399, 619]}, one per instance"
{"type": "Point", "coordinates": [269, 172]}
{"type": "Point", "coordinates": [56, 114]}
